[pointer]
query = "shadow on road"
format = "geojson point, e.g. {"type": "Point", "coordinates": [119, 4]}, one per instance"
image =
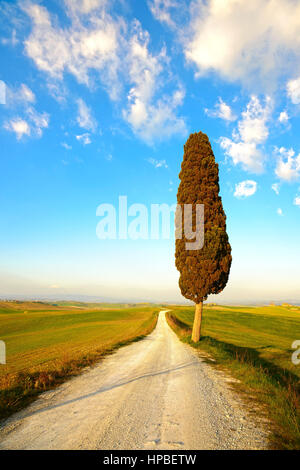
{"type": "Point", "coordinates": [111, 387]}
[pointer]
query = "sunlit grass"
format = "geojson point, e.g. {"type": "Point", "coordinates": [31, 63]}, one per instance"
{"type": "Point", "coordinates": [270, 330]}
{"type": "Point", "coordinates": [44, 346]}
{"type": "Point", "coordinates": [254, 344]}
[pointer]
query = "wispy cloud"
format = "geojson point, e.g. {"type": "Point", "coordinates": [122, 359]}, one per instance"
{"type": "Point", "coordinates": [33, 125]}
{"type": "Point", "coordinates": [222, 110]}
{"type": "Point", "coordinates": [158, 163]}
{"type": "Point", "coordinates": [29, 121]}
{"type": "Point", "coordinates": [57, 90]}
{"type": "Point", "coordinates": [66, 146]}
{"type": "Point", "coordinates": [279, 211]}
{"type": "Point", "coordinates": [10, 41]}
{"type": "Point", "coordinates": [84, 116]}
{"type": "Point", "coordinates": [39, 121]}
{"type": "Point", "coordinates": [19, 96]}
{"type": "Point", "coordinates": [163, 10]}
{"type": "Point", "coordinates": [84, 138]}
{"type": "Point", "coordinates": [84, 46]}
{"type": "Point", "coordinates": [276, 188]}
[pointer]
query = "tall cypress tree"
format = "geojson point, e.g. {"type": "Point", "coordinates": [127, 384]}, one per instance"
{"type": "Point", "coordinates": [204, 271]}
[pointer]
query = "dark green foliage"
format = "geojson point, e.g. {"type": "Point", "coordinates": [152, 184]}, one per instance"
{"type": "Point", "coordinates": [205, 271]}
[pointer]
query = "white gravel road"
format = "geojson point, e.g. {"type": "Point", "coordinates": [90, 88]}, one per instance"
{"type": "Point", "coordinates": [157, 393]}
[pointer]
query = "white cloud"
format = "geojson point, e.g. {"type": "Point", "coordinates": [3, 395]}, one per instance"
{"type": "Point", "coordinates": [33, 125]}
{"type": "Point", "coordinates": [19, 126]}
{"type": "Point", "coordinates": [84, 117]}
{"type": "Point", "coordinates": [297, 201]}
{"type": "Point", "coordinates": [252, 127]}
{"type": "Point", "coordinates": [252, 131]}
{"type": "Point", "coordinates": [95, 46]}
{"type": "Point", "coordinates": [293, 90]}
{"type": "Point", "coordinates": [279, 211]}
{"type": "Point", "coordinates": [288, 165]}
{"type": "Point", "coordinates": [87, 45]}
{"type": "Point", "coordinates": [245, 153]}
{"type": "Point", "coordinates": [283, 117]}
{"type": "Point", "coordinates": [276, 188]}
{"type": "Point", "coordinates": [161, 120]}
{"type": "Point", "coordinates": [158, 163]}
{"type": "Point", "coordinates": [248, 41]}
{"type": "Point", "coordinates": [222, 111]}
{"type": "Point", "coordinates": [150, 117]}
{"type": "Point", "coordinates": [245, 188]}
{"type": "Point", "coordinates": [84, 138]}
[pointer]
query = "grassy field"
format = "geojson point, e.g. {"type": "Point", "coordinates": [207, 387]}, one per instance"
{"type": "Point", "coordinates": [254, 343]}
{"type": "Point", "coordinates": [46, 343]}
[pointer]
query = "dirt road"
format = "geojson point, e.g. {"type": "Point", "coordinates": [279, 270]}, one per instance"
{"type": "Point", "coordinates": [154, 394]}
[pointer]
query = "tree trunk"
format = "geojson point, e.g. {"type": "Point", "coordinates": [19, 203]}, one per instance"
{"type": "Point", "coordinates": [197, 323]}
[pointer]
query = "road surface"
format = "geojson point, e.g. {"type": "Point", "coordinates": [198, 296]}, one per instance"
{"type": "Point", "coordinates": [157, 393]}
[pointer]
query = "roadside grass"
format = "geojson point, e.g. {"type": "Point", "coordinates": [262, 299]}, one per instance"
{"type": "Point", "coordinates": [254, 344]}
{"type": "Point", "coordinates": [46, 344]}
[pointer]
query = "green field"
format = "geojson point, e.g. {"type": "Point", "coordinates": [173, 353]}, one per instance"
{"type": "Point", "coordinates": [268, 330]}
{"type": "Point", "coordinates": [254, 344]}
{"type": "Point", "coordinates": [45, 343]}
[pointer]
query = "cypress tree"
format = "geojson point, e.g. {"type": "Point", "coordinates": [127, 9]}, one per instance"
{"type": "Point", "coordinates": [204, 271]}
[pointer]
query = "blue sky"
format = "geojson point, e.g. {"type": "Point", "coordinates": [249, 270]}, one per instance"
{"type": "Point", "coordinates": [100, 97]}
